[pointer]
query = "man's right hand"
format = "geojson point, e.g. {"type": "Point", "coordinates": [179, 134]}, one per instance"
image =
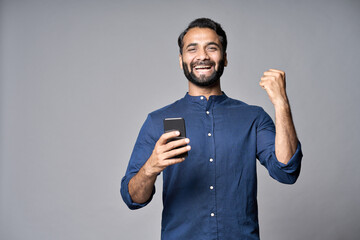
{"type": "Point", "coordinates": [164, 153]}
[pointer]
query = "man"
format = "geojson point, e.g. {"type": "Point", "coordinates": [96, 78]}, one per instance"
{"type": "Point", "coordinates": [212, 193]}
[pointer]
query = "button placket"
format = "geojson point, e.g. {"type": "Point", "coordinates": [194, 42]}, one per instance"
{"type": "Point", "coordinates": [212, 167]}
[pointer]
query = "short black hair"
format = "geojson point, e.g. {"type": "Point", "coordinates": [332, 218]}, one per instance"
{"type": "Point", "coordinates": [205, 23]}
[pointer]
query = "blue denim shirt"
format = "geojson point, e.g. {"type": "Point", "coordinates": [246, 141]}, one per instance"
{"type": "Point", "coordinates": [212, 194]}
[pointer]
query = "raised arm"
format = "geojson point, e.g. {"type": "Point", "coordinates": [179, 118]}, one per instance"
{"type": "Point", "coordinates": [273, 81]}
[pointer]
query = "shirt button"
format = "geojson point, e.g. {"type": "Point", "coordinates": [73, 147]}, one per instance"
{"type": "Point", "coordinates": [207, 112]}
{"type": "Point", "coordinates": [201, 97]}
{"type": "Point", "coordinates": [212, 214]}
{"type": "Point", "coordinates": [211, 187]}
{"type": "Point", "coordinates": [211, 160]}
{"type": "Point", "coordinates": [209, 134]}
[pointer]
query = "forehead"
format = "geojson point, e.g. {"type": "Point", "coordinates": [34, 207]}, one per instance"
{"type": "Point", "coordinates": [200, 35]}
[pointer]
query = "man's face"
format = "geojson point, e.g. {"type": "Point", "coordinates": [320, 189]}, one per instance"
{"type": "Point", "coordinates": [202, 59]}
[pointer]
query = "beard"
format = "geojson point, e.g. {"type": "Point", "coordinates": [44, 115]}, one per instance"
{"type": "Point", "coordinates": [204, 81]}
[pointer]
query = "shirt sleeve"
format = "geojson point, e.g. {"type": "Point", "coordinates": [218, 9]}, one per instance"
{"type": "Point", "coordinates": [142, 151]}
{"type": "Point", "coordinates": [284, 173]}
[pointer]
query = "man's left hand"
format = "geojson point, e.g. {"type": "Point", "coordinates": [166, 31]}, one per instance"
{"type": "Point", "coordinates": [273, 81]}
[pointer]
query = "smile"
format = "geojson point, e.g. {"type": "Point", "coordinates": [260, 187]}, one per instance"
{"type": "Point", "coordinates": [203, 68]}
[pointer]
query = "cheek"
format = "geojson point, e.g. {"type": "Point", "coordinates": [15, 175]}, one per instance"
{"type": "Point", "coordinates": [188, 64]}
{"type": "Point", "coordinates": [218, 62]}
{"type": "Point", "coordinates": [188, 59]}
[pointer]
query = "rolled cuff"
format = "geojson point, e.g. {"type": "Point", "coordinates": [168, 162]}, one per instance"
{"type": "Point", "coordinates": [124, 190]}
{"type": "Point", "coordinates": [293, 163]}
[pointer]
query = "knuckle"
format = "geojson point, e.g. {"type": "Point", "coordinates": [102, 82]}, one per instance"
{"type": "Point", "coordinates": [161, 157]}
{"type": "Point", "coordinates": [167, 155]}
{"type": "Point", "coordinates": [168, 163]}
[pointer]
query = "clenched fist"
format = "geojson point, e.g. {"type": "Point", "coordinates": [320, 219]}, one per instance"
{"type": "Point", "coordinates": [273, 81]}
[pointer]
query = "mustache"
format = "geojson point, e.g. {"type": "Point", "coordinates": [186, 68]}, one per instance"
{"type": "Point", "coordinates": [199, 63]}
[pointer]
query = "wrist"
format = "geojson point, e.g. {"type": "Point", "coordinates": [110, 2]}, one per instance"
{"type": "Point", "coordinates": [149, 171]}
{"type": "Point", "coordinates": [282, 104]}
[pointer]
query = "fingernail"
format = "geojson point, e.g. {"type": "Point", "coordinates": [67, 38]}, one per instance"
{"type": "Point", "coordinates": [177, 133]}
{"type": "Point", "coordinates": [187, 140]}
{"type": "Point", "coordinates": [188, 147]}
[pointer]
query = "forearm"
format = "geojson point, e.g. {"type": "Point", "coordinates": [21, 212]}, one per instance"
{"type": "Point", "coordinates": [165, 154]}
{"type": "Point", "coordinates": [285, 139]}
{"type": "Point", "coordinates": [141, 186]}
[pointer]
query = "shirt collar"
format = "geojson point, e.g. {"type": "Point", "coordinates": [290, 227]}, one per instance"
{"type": "Point", "coordinates": [200, 99]}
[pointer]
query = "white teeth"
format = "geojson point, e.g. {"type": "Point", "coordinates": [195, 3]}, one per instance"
{"type": "Point", "coordinates": [202, 67]}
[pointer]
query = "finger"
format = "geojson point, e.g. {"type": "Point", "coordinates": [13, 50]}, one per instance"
{"type": "Point", "coordinates": [275, 74]}
{"type": "Point", "coordinates": [266, 78]}
{"type": "Point", "coordinates": [278, 71]}
{"type": "Point", "coordinates": [173, 161]}
{"type": "Point", "coordinates": [262, 85]}
{"type": "Point", "coordinates": [167, 136]}
{"type": "Point", "coordinates": [265, 82]}
{"type": "Point", "coordinates": [274, 79]}
{"type": "Point", "coordinates": [175, 144]}
{"type": "Point", "coordinates": [176, 152]}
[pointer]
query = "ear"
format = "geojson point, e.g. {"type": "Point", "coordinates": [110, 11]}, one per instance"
{"type": "Point", "coordinates": [180, 61]}
{"type": "Point", "coordinates": [225, 60]}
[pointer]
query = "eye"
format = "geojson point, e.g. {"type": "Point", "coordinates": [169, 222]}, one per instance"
{"type": "Point", "coordinates": [191, 49]}
{"type": "Point", "coordinates": [212, 49]}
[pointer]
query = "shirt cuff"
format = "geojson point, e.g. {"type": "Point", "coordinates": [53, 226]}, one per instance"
{"type": "Point", "coordinates": [126, 195]}
{"type": "Point", "coordinates": [294, 162]}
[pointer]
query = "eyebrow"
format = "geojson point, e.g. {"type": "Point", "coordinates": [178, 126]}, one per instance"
{"type": "Point", "coordinates": [209, 43]}
{"type": "Point", "coordinates": [191, 45]}
{"type": "Point", "coordinates": [214, 43]}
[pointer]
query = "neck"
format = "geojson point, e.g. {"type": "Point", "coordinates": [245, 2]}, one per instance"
{"type": "Point", "coordinates": [195, 90]}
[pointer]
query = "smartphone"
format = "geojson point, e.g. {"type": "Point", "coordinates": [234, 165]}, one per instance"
{"type": "Point", "coordinates": [176, 124]}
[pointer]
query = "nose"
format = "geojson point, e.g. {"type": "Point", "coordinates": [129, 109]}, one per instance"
{"type": "Point", "coordinates": [202, 55]}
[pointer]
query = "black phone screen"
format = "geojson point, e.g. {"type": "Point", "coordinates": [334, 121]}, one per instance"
{"type": "Point", "coordinates": [176, 124]}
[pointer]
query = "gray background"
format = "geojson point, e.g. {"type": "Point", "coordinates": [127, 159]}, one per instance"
{"type": "Point", "coordinates": [79, 77]}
